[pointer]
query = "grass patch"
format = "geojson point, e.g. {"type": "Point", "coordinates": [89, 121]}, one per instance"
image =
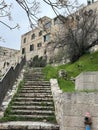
{"type": "Point", "coordinates": [50, 119]}
{"type": "Point", "coordinates": [88, 62]}
{"type": "Point", "coordinates": [66, 86]}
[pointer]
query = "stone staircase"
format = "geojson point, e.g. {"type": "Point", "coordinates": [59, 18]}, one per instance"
{"type": "Point", "coordinates": [34, 102]}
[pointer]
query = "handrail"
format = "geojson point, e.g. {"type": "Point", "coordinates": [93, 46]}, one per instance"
{"type": "Point", "coordinates": [9, 78]}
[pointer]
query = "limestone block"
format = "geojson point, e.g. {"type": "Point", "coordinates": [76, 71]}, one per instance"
{"type": "Point", "coordinates": [73, 128]}
{"type": "Point", "coordinates": [73, 121]}
{"type": "Point", "coordinates": [87, 81]}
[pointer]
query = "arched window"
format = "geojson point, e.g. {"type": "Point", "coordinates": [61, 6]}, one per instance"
{"type": "Point", "coordinates": [40, 33]}
{"type": "Point", "coordinates": [32, 36]}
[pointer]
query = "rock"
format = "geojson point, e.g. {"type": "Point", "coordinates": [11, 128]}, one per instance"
{"type": "Point", "coordinates": [62, 74]}
{"type": "Point", "coordinates": [72, 79]}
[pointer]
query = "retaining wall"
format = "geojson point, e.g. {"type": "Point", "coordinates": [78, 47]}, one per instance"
{"type": "Point", "coordinates": [87, 81]}
{"type": "Point", "coordinates": [71, 108]}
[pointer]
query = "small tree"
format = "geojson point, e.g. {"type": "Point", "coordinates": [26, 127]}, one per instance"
{"type": "Point", "coordinates": [5, 12]}
{"type": "Point", "coordinates": [31, 8]}
{"type": "Point", "coordinates": [37, 62]}
{"type": "Point", "coordinates": [80, 33]}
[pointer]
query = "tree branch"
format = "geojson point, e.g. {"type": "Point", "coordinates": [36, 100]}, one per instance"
{"type": "Point", "coordinates": [11, 28]}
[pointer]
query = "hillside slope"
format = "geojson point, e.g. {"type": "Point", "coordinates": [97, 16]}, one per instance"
{"type": "Point", "coordinates": [88, 62]}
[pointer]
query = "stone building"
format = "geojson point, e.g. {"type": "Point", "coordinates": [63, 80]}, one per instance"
{"type": "Point", "coordinates": [40, 40]}
{"type": "Point", "coordinates": [8, 57]}
{"type": "Point", "coordinates": [94, 6]}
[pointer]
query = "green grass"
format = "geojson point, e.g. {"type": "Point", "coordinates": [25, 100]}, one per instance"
{"type": "Point", "coordinates": [88, 62]}
{"type": "Point", "coordinates": [7, 114]}
{"type": "Point", "coordinates": [8, 110]}
{"type": "Point", "coordinates": [50, 119]}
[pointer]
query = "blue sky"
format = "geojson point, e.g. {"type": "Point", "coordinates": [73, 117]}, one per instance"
{"type": "Point", "coordinates": [13, 37]}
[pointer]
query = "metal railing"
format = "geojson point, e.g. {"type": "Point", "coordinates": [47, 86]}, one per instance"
{"type": "Point", "coordinates": [9, 78]}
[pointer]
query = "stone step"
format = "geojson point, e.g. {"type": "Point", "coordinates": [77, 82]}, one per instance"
{"type": "Point", "coordinates": [34, 95]}
{"type": "Point", "coordinates": [33, 99]}
{"type": "Point", "coordinates": [33, 107]}
{"type": "Point", "coordinates": [32, 77]}
{"type": "Point", "coordinates": [33, 103]}
{"type": "Point", "coordinates": [47, 82]}
{"type": "Point", "coordinates": [32, 112]}
{"type": "Point", "coordinates": [35, 91]}
{"type": "Point", "coordinates": [37, 69]}
{"type": "Point", "coordinates": [31, 95]}
{"type": "Point", "coordinates": [36, 87]}
{"type": "Point", "coordinates": [38, 83]}
{"type": "Point", "coordinates": [28, 125]}
{"type": "Point", "coordinates": [33, 73]}
{"type": "Point", "coordinates": [36, 117]}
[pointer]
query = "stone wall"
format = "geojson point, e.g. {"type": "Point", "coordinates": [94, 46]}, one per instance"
{"type": "Point", "coordinates": [8, 57]}
{"type": "Point", "coordinates": [71, 108]}
{"type": "Point", "coordinates": [46, 39]}
{"type": "Point", "coordinates": [87, 81]}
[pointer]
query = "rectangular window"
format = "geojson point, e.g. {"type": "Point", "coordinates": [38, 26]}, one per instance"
{"type": "Point", "coordinates": [24, 41]}
{"type": "Point", "coordinates": [47, 38]}
{"type": "Point", "coordinates": [23, 50]}
{"type": "Point", "coordinates": [39, 44]}
{"type": "Point", "coordinates": [31, 47]}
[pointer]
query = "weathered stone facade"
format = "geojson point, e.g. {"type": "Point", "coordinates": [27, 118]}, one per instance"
{"type": "Point", "coordinates": [40, 41]}
{"type": "Point", "coordinates": [8, 57]}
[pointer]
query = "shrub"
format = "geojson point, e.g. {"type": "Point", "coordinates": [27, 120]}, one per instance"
{"type": "Point", "coordinates": [37, 62]}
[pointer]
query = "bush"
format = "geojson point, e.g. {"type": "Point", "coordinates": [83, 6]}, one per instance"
{"type": "Point", "coordinates": [37, 62]}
